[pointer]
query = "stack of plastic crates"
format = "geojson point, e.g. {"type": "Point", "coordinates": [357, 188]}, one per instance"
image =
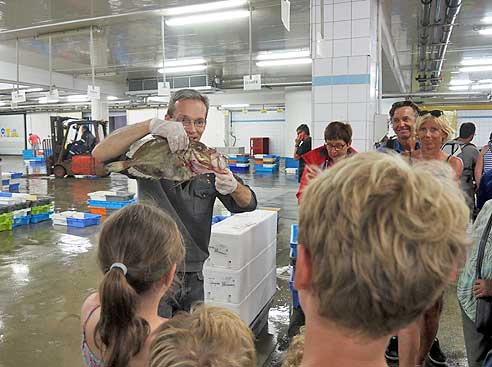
{"type": "Point", "coordinates": [266, 163]}
{"type": "Point", "coordinates": [291, 166]}
{"type": "Point", "coordinates": [76, 219]}
{"type": "Point", "coordinates": [293, 258]}
{"type": "Point", "coordinates": [41, 209]}
{"type": "Point", "coordinates": [6, 218]}
{"type": "Point", "coordinates": [107, 202]}
{"type": "Point", "coordinates": [11, 181]}
{"type": "Point", "coordinates": [239, 163]}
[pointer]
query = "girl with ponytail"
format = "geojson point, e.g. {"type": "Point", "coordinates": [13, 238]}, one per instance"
{"type": "Point", "coordinates": [139, 248]}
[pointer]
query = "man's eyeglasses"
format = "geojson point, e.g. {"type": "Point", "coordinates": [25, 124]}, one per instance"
{"type": "Point", "coordinates": [199, 123]}
{"type": "Point", "coordinates": [435, 113]}
{"type": "Point", "coordinates": [335, 146]}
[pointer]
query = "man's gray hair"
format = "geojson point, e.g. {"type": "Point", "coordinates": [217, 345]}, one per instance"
{"type": "Point", "coordinates": [186, 94]}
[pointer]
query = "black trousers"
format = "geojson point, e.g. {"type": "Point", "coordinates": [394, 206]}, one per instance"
{"type": "Point", "coordinates": [188, 293]}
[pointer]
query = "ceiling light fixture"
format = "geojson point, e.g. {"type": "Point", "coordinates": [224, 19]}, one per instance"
{"type": "Point", "coordinates": [471, 69]}
{"type": "Point", "coordinates": [485, 31]}
{"type": "Point", "coordinates": [207, 18]}
{"type": "Point", "coordinates": [183, 69]}
{"type": "Point", "coordinates": [158, 99]}
{"type": "Point", "coordinates": [78, 98]}
{"type": "Point", "coordinates": [200, 8]}
{"type": "Point", "coordinates": [487, 20]}
{"type": "Point", "coordinates": [475, 62]}
{"type": "Point", "coordinates": [485, 81]}
{"type": "Point", "coordinates": [460, 82]}
{"type": "Point", "coordinates": [112, 98]}
{"type": "Point", "coordinates": [287, 54]}
{"type": "Point", "coordinates": [236, 105]}
{"type": "Point", "coordinates": [183, 62]}
{"type": "Point", "coordinates": [125, 101]}
{"type": "Point", "coordinates": [459, 87]}
{"type": "Point", "coordinates": [290, 62]}
{"type": "Point", "coordinates": [481, 86]}
{"type": "Point", "coordinates": [32, 90]}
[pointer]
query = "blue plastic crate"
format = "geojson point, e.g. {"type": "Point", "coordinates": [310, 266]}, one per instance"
{"type": "Point", "coordinates": [110, 204]}
{"type": "Point", "coordinates": [5, 182]}
{"type": "Point", "coordinates": [5, 194]}
{"type": "Point", "coordinates": [15, 175]}
{"type": "Point", "coordinates": [14, 187]}
{"type": "Point", "coordinates": [89, 220]}
{"type": "Point", "coordinates": [293, 250]}
{"type": "Point", "coordinates": [36, 218]}
{"type": "Point", "coordinates": [219, 218]}
{"type": "Point", "coordinates": [259, 168]}
{"type": "Point", "coordinates": [293, 234]}
{"type": "Point", "coordinates": [21, 221]}
{"type": "Point", "coordinates": [27, 154]}
{"type": "Point", "coordinates": [241, 159]}
{"type": "Point", "coordinates": [295, 295]}
{"type": "Point", "coordinates": [291, 163]}
{"type": "Point", "coordinates": [239, 169]}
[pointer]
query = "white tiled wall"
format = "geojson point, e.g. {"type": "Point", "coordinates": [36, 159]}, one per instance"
{"type": "Point", "coordinates": [482, 120]}
{"type": "Point", "coordinates": [346, 48]}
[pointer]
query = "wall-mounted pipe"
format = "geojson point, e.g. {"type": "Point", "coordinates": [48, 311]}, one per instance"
{"type": "Point", "coordinates": [452, 10]}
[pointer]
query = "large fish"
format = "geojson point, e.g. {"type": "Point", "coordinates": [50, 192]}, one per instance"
{"type": "Point", "coordinates": [152, 159]}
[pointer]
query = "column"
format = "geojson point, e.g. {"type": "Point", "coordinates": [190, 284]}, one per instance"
{"type": "Point", "coordinates": [345, 68]}
{"type": "Point", "coordinates": [100, 110]}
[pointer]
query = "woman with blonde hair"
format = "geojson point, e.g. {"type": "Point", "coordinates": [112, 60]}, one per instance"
{"type": "Point", "coordinates": [433, 130]}
{"type": "Point", "coordinates": [139, 248]}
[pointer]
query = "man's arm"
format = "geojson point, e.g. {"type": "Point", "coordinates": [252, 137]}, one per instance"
{"type": "Point", "coordinates": [479, 166]}
{"type": "Point", "coordinates": [242, 195]}
{"type": "Point", "coordinates": [120, 140]}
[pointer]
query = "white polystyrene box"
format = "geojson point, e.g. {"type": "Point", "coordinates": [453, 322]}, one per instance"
{"type": "Point", "coordinates": [251, 306]}
{"type": "Point", "coordinates": [228, 285]}
{"type": "Point", "coordinates": [239, 238]}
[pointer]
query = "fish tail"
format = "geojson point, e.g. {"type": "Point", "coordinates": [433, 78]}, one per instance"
{"type": "Point", "coordinates": [117, 166]}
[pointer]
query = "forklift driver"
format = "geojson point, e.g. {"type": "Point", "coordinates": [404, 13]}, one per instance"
{"type": "Point", "coordinates": [84, 145]}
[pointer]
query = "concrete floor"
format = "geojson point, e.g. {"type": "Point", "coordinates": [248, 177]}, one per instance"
{"type": "Point", "coordinates": [47, 271]}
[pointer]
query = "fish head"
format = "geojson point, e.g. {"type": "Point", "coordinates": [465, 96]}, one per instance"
{"type": "Point", "coordinates": [207, 159]}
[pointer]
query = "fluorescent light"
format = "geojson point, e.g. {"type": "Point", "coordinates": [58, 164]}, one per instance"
{"type": "Point", "coordinates": [78, 98]}
{"type": "Point", "coordinates": [158, 99]}
{"type": "Point", "coordinates": [184, 62]}
{"type": "Point", "coordinates": [237, 105]}
{"type": "Point", "coordinates": [43, 100]}
{"type": "Point", "coordinates": [283, 55]}
{"type": "Point", "coordinates": [481, 86]}
{"type": "Point", "coordinates": [283, 62]}
{"type": "Point", "coordinates": [486, 81]}
{"type": "Point", "coordinates": [125, 101]}
{"type": "Point", "coordinates": [183, 69]}
{"type": "Point", "coordinates": [200, 8]}
{"type": "Point", "coordinates": [2, 103]}
{"type": "Point", "coordinates": [459, 87]}
{"type": "Point", "coordinates": [460, 82]}
{"type": "Point", "coordinates": [487, 20]}
{"type": "Point", "coordinates": [474, 62]}
{"type": "Point", "coordinates": [112, 98]}
{"type": "Point", "coordinates": [207, 18]}
{"type": "Point", "coordinates": [471, 69]}
{"type": "Point", "coordinates": [32, 90]}
{"type": "Point", "coordinates": [485, 31]}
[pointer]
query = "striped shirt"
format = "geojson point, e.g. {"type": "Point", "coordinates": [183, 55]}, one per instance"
{"type": "Point", "coordinates": [487, 161]}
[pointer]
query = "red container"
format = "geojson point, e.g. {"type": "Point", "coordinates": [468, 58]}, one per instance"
{"type": "Point", "coordinates": [83, 165]}
{"type": "Point", "coordinates": [259, 146]}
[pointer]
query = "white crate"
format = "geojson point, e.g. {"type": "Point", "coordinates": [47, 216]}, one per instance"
{"type": "Point", "coordinates": [11, 200]}
{"type": "Point", "coordinates": [251, 306]}
{"type": "Point", "coordinates": [226, 285]}
{"type": "Point", "coordinates": [99, 195]}
{"type": "Point", "coordinates": [21, 213]}
{"type": "Point", "coordinates": [291, 171]}
{"type": "Point", "coordinates": [239, 238]}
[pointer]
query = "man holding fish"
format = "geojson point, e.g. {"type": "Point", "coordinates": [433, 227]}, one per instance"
{"type": "Point", "coordinates": [189, 192]}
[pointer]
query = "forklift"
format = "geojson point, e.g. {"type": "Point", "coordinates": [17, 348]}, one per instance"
{"type": "Point", "coordinates": [62, 159]}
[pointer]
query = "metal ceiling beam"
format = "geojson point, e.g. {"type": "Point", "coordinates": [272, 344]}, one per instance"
{"type": "Point", "coordinates": [452, 10]}
{"type": "Point", "coordinates": [435, 94]}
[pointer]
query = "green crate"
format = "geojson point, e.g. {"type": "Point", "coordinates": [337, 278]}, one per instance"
{"type": "Point", "coordinates": [6, 217]}
{"type": "Point", "coordinates": [41, 209]}
{"type": "Point", "coordinates": [6, 226]}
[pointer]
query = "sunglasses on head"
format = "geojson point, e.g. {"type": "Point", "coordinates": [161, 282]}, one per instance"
{"type": "Point", "coordinates": [435, 113]}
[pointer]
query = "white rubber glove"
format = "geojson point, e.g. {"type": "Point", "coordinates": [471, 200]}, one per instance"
{"type": "Point", "coordinates": [225, 183]}
{"type": "Point", "coordinates": [173, 131]}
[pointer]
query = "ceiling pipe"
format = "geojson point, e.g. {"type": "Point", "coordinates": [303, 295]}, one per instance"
{"type": "Point", "coordinates": [452, 10]}
{"type": "Point", "coordinates": [436, 94]}
{"type": "Point", "coordinates": [437, 20]}
{"type": "Point", "coordinates": [424, 34]}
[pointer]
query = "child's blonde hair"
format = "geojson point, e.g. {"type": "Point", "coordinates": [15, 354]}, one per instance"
{"type": "Point", "coordinates": [208, 336]}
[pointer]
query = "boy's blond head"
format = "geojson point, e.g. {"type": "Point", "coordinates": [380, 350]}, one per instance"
{"type": "Point", "coordinates": [208, 336]}
{"type": "Point", "coordinates": [383, 239]}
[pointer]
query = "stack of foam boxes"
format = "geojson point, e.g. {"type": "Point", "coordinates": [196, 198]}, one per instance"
{"type": "Point", "coordinates": [240, 273]}
{"type": "Point", "coordinates": [239, 163]}
{"type": "Point", "coordinates": [266, 163]}
{"type": "Point", "coordinates": [293, 258]}
{"type": "Point", "coordinates": [107, 202]}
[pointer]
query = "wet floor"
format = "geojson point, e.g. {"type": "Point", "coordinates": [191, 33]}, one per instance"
{"type": "Point", "coordinates": [47, 271]}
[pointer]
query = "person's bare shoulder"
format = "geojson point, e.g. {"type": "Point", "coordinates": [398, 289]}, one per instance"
{"type": "Point", "coordinates": [88, 305]}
